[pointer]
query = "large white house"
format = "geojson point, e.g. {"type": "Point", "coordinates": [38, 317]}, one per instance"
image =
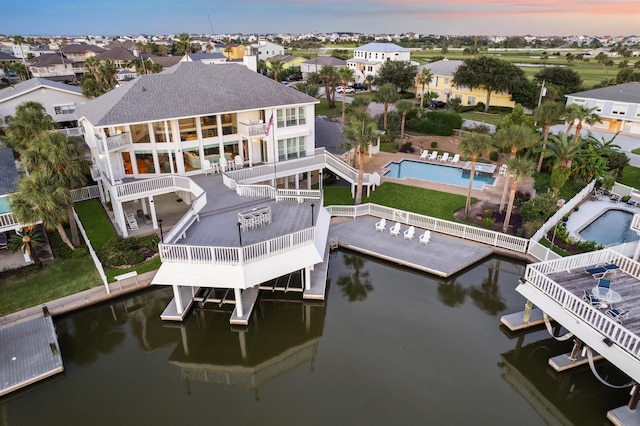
{"type": "Point", "coordinates": [368, 59]}
{"type": "Point", "coordinates": [618, 106]}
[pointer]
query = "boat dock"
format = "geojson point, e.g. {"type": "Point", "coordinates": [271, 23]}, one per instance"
{"type": "Point", "coordinates": [29, 352]}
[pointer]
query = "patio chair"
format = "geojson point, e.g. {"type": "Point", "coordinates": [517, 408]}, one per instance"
{"type": "Point", "coordinates": [503, 170]}
{"type": "Point", "coordinates": [224, 164]}
{"type": "Point", "coordinates": [591, 299]}
{"type": "Point", "coordinates": [617, 314]}
{"type": "Point", "coordinates": [408, 234]}
{"type": "Point", "coordinates": [424, 154]}
{"type": "Point", "coordinates": [424, 238]}
{"type": "Point", "coordinates": [132, 221]}
{"type": "Point", "coordinates": [433, 156]}
{"type": "Point", "coordinates": [444, 157]}
{"type": "Point", "coordinates": [604, 283]}
{"type": "Point", "coordinates": [239, 161]}
{"type": "Point", "coordinates": [3, 240]}
{"type": "Point", "coordinates": [395, 230]}
{"type": "Point", "coordinates": [455, 159]}
{"type": "Point", "coordinates": [207, 167]}
{"type": "Point", "coordinates": [381, 225]}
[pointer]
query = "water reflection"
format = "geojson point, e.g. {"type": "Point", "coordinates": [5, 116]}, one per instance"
{"type": "Point", "coordinates": [355, 285]}
{"type": "Point", "coordinates": [488, 297]}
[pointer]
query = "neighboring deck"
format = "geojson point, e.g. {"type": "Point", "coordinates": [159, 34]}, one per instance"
{"type": "Point", "coordinates": [442, 256]}
{"type": "Point", "coordinates": [29, 352]}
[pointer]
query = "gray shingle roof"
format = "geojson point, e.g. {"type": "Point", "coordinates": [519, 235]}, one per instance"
{"type": "Point", "coordinates": [82, 48]}
{"type": "Point", "coordinates": [115, 54]}
{"type": "Point", "coordinates": [205, 56]}
{"type": "Point", "coordinates": [6, 57]}
{"type": "Point", "coordinates": [326, 60]}
{"type": "Point", "coordinates": [382, 47]}
{"type": "Point", "coordinates": [189, 89]}
{"type": "Point", "coordinates": [35, 83]}
{"type": "Point", "coordinates": [8, 172]}
{"type": "Point", "coordinates": [329, 135]}
{"type": "Point", "coordinates": [627, 92]}
{"type": "Point", "coordinates": [444, 67]}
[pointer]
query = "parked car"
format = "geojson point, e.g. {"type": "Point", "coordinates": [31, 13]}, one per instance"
{"type": "Point", "coordinates": [357, 86]}
{"type": "Point", "coordinates": [294, 77]}
{"type": "Point", "coordinates": [435, 104]}
{"type": "Point", "coordinates": [340, 89]}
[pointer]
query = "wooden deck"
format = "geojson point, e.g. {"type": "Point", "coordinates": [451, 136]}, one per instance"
{"type": "Point", "coordinates": [578, 281]}
{"type": "Point", "coordinates": [29, 352]}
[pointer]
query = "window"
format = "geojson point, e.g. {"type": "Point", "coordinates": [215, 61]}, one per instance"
{"type": "Point", "coordinates": [446, 80]}
{"type": "Point", "coordinates": [229, 124]}
{"type": "Point", "coordinates": [187, 129]}
{"type": "Point", "coordinates": [64, 109]}
{"type": "Point", "coordinates": [291, 117]}
{"type": "Point", "coordinates": [144, 161]}
{"type": "Point", "coordinates": [599, 106]}
{"type": "Point", "coordinates": [164, 161]}
{"type": "Point", "coordinates": [140, 133]}
{"type": "Point", "coordinates": [579, 101]}
{"type": "Point", "coordinates": [159, 131]}
{"type": "Point", "coordinates": [291, 148]}
{"type": "Point", "coordinates": [209, 126]}
{"type": "Point", "coordinates": [619, 109]}
{"type": "Point", "coordinates": [471, 100]}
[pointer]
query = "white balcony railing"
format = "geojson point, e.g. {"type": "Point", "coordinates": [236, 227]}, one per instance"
{"type": "Point", "coordinates": [251, 130]}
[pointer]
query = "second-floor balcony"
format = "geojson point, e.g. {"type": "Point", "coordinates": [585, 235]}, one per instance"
{"type": "Point", "coordinates": [114, 143]}
{"type": "Point", "coordinates": [251, 130]}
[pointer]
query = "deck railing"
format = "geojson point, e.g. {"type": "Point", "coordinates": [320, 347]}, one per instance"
{"type": "Point", "coordinates": [8, 220]}
{"type": "Point", "coordinates": [472, 233]}
{"type": "Point", "coordinates": [537, 275]}
{"type": "Point", "coordinates": [187, 219]}
{"type": "Point", "coordinates": [234, 256]}
{"type": "Point", "coordinates": [86, 193]}
{"type": "Point", "coordinates": [157, 185]}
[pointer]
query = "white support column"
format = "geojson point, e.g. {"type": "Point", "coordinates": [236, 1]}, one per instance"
{"type": "Point", "coordinates": [178, 298]}
{"type": "Point", "coordinates": [118, 214]}
{"type": "Point", "coordinates": [145, 209]}
{"type": "Point", "coordinates": [152, 208]}
{"type": "Point", "coordinates": [286, 182]}
{"type": "Point", "coordinates": [307, 278]}
{"type": "Point", "coordinates": [636, 253]}
{"type": "Point", "coordinates": [239, 309]}
{"type": "Point", "coordinates": [297, 177]}
{"type": "Point", "coordinates": [309, 175]}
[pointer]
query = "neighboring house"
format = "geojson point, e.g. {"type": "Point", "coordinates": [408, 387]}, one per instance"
{"type": "Point", "coordinates": [205, 58]}
{"type": "Point", "coordinates": [60, 100]}
{"type": "Point", "coordinates": [315, 64]}
{"type": "Point", "coordinates": [368, 59]}
{"type": "Point", "coordinates": [8, 185]}
{"type": "Point", "coordinates": [618, 106]}
{"type": "Point", "coordinates": [121, 57]}
{"type": "Point", "coordinates": [266, 49]}
{"type": "Point", "coordinates": [165, 61]}
{"type": "Point", "coordinates": [52, 66]}
{"type": "Point", "coordinates": [442, 84]}
{"type": "Point", "coordinates": [126, 75]}
{"type": "Point", "coordinates": [288, 61]}
{"type": "Point", "coordinates": [80, 52]}
{"type": "Point", "coordinates": [233, 51]}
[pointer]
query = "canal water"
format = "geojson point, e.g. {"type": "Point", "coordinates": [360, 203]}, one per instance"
{"type": "Point", "coordinates": [389, 346]}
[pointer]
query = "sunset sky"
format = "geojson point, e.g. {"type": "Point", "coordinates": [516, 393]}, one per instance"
{"type": "Point", "coordinates": [457, 17]}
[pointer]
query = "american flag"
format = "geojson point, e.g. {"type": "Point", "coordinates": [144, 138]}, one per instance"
{"type": "Point", "coordinates": [269, 125]}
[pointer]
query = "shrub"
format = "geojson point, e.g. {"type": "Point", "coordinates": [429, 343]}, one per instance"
{"type": "Point", "coordinates": [541, 208]}
{"type": "Point", "coordinates": [487, 222]}
{"type": "Point", "coordinates": [444, 121]}
{"type": "Point", "coordinates": [488, 213]}
{"type": "Point", "coordinates": [493, 156]}
{"type": "Point", "coordinates": [121, 251]}
{"type": "Point", "coordinates": [434, 144]}
{"type": "Point", "coordinates": [531, 227]}
{"type": "Point", "coordinates": [480, 106]}
{"type": "Point", "coordinates": [406, 147]}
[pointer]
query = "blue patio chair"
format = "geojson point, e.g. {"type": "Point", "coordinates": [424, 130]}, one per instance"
{"type": "Point", "coordinates": [3, 240]}
{"type": "Point", "coordinates": [617, 314]}
{"type": "Point", "coordinates": [604, 283]}
{"type": "Point", "coordinates": [591, 299]}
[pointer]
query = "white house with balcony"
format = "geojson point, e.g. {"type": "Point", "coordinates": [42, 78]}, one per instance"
{"type": "Point", "coordinates": [368, 59]}
{"type": "Point", "coordinates": [233, 146]}
{"type": "Point", "coordinates": [618, 106]}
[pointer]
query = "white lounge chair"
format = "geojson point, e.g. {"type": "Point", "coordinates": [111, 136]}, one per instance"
{"type": "Point", "coordinates": [424, 154]}
{"type": "Point", "coordinates": [382, 225]}
{"type": "Point", "coordinates": [424, 238]}
{"type": "Point", "coordinates": [207, 167]}
{"type": "Point", "coordinates": [395, 230]}
{"type": "Point", "coordinates": [503, 170]}
{"type": "Point", "coordinates": [444, 157]}
{"type": "Point", "coordinates": [408, 234]}
{"type": "Point", "coordinates": [3, 240]}
{"type": "Point", "coordinates": [239, 161]}
{"type": "Point", "coordinates": [132, 221]}
{"type": "Point", "coordinates": [433, 156]}
{"type": "Point", "coordinates": [455, 159]}
{"type": "Point", "coordinates": [224, 164]}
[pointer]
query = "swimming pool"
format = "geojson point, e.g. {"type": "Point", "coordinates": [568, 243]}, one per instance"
{"type": "Point", "coordinates": [610, 228]}
{"type": "Point", "coordinates": [435, 173]}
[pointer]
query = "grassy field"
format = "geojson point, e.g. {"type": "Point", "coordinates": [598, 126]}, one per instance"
{"type": "Point", "coordinates": [483, 117]}
{"type": "Point", "coordinates": [630, 177]}
{"type": "Point", "coordinates": [418, 200]}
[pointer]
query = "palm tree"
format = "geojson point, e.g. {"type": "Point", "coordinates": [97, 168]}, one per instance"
{"type": "Point", "coordinates": [368, 80]}
{"type": "Point", "coordinates": [310, 89]}
{"type": "Point", "coordinates": [357, 285]}
{"type": "Point", "coordinates": [30, 120]}
{"type": "Point", "coordinates": [562, 152]}
{"type": "Point", "coordinates": [519, 168]}
{"type": "Point", "coordinates": [423, 79]}
{"type": "Point", "coordinates": [61, 158]}
{"type": "Point", "coordinates": [40, 199]}
{"type": "Point", "coordinates": [19, 40]}
{"type": "Point", "coordinates": [473, 146]}
{"type": "Point", "coordinates": [345, 75]}
{"type": "Point", "coordinates": [360, 132]}
{"type": "Point", "coordinates": [387, 95]}
{"type": "Point", "coordinates": [276, 66]}
{"type": "Point", "coordinates": [586, 115]}
{"type": "Point", "coordinates": [328, 75]}
{"type": "Point", "coordinates": [545, 115]}
{"type": "Point", "coordinates": [403, 106]}
{"type": "Point", "coordinates": [513, 137]}
{"type": "Point", "coordinates": [25, 240]}
{"type": "Point", "coordinates": [183, 45]}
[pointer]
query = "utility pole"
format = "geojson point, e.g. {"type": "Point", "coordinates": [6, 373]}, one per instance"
{"type": "Point", "coordinates": [543, 91]}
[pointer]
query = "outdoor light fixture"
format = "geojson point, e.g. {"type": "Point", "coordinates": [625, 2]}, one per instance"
{"type": "Point", "coordinates": [521, 280]}
{"type": "Point", "coordinates": [607, 342]}
{"type": "Point", "coordinates": [240, 233]}
{"type": "Point", "coordinates": [312, 206]}
{"type": "Point", "coordinates": [161, 233]}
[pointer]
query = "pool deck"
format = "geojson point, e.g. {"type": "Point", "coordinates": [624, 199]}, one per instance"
{"type": "Point", "coordinates": [591, 209]}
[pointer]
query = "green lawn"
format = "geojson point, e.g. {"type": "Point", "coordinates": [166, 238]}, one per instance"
{"type": "Point", "coordinates": [483, 117]}
{"type": "Point", "coordinates": [441, 205]}
{"type": "Point", "coordinates": [323, 109]}
{"type": "Point", "coordinates": [630, 177]}
{"type": "Point", "coordinates": [95, 222]}
{"type": "Point", "coordinates": [32, 286]}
